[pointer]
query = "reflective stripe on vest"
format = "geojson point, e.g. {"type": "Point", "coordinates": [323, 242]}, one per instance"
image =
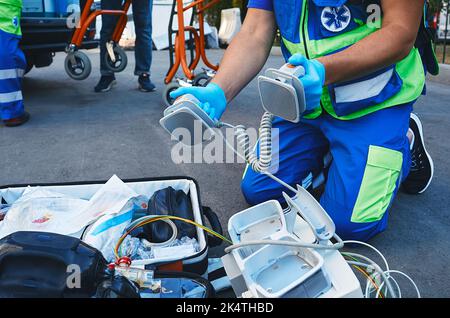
{"type": "Point", "coordinates": [401, 83]}
{"type": "Point", "coordinates": [10, 97]}
{"type": "Point", "coordinates": [11, 73]}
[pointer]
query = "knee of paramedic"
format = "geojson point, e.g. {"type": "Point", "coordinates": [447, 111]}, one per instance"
{"type": "Point", "coordinates": [371, 157]}
{"type": "Point", "coordinates": [298, 150]}
{"type": "Point", "coordinates": [12, 68]}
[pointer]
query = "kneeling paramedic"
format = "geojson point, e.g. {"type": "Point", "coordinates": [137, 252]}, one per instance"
{"type": "Point", "coordinates": [361, 82]}
{"type": "Point", "coordinates": [12, 64]}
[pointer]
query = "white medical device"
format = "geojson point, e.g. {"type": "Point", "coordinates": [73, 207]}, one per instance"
{"type": "Point", "coordinates": [186, 114]}
{"type": "Point", "coordinates": [267, 270]}
{"type": "Point", "coordinates": [282, 92]}
{"type": "Point", "coordinates": [276, 252]}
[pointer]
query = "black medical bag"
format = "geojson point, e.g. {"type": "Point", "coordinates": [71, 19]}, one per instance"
{"type": "Point", "coordinates": [41, 265]}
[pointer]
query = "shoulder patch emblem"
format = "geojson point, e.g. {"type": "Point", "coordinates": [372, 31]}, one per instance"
{"type": "Point", "coordinates": [336, 19]}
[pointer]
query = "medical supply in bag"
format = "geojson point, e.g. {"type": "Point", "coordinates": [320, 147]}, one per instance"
{"type": "Point", "coordinates": [106, 231]}
{"type": "Point", "coordinates": [115, 214]}
{"type": "Point", "coordinates": [134, 248]}
{"type": "Point", "coordinates": [167, 284]}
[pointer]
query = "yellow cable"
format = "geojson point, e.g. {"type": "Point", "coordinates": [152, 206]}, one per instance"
{"type": "Point", "coordinates": [163, 217]}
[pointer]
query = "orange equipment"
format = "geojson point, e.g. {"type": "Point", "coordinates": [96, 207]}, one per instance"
{"type": "Point", "coordinates": [77, 64]}
{"type": "Point", "coordinates": [196, 46]}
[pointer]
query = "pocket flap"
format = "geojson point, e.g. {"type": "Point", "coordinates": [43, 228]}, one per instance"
{"type": "Point", "coordinates": [385, 158]}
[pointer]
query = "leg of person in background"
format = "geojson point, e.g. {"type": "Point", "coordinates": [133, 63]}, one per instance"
{"type": "Point", "coordinates": [12, 66]}
{"type": "Point", "coordinates": [142, 15]}
{"type": "Point", "coordinates": [109, 22]}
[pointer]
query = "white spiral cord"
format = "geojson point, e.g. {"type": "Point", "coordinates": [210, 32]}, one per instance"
{"type": "Point", "coordinates": [262, 163]}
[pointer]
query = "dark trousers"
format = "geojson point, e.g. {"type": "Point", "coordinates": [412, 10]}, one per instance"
{"type": "Point", "coordinates": [142, 17]}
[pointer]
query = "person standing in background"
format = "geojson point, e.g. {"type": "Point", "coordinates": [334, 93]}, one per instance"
{"type": "Point", "coordinates": [142, 16]}
{"type": "Point", "coordinates": [12, 65]}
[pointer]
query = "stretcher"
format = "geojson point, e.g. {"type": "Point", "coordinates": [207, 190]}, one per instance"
{"type": "Point", "coordinates": [195, 45]}
{"type": "Point", "coordinates": [77, 64]}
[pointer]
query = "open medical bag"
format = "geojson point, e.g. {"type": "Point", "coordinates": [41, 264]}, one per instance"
{"type": "Point", "coordinates": [187, 266]}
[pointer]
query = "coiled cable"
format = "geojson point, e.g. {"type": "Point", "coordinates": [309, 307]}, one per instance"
{"type": "Point", "coordinates": [262, 163]}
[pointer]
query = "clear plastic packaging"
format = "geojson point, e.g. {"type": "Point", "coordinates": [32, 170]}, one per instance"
{"type": "Point", "coordinates": [136, 250]}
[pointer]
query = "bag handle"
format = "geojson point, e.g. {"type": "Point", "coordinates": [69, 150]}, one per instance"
{"type": "Point", "coordinates": [214, 221]}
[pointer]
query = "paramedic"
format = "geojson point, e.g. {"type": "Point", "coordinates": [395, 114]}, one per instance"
{"type": "Point", "coordinates": [142, 17]}
{"type": "Point", "coordinates": [361, 82]}
{"type": "Point", "coordinates": [12, 65]}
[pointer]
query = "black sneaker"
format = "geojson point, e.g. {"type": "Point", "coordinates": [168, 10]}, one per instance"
{"type": "Point", "coordinates": [105, 83]}
{"type": "Point", "coordinates": [145, 84]}
{"type": "Point", "coordinates": [422, 167]}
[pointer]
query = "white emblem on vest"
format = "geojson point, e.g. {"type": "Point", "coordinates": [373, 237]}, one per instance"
{"type": "Point", "coordinates": [336, 19]}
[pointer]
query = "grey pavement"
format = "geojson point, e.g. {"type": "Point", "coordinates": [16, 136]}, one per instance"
{"type": "Point", "coordinates": [78, 135]}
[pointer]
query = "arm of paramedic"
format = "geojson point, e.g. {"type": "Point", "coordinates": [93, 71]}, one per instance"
{"type": "Point", "coordinates": [247, 53]}
{"type": "Point", "coordinates": [388, 45]}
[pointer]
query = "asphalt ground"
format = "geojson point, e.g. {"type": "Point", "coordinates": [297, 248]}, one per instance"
{"type": "Point", "coordinates": [76, 135]}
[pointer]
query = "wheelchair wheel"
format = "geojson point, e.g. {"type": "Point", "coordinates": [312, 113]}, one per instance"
{"type": "Point", "coordinates": [77, 65]}
{"type": "Point", "coordinates": [121, 60]}
{"type": "Point", "coordinates": [169, 88]}
{"type": "Point", "coordinates": [201, 79]}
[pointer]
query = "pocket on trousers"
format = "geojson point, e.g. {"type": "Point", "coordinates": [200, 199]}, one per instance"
{"type": "Point", "coordinates": [380, 179]}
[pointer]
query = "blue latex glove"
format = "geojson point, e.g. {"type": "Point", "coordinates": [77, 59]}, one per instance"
{"type": "Point", "coordinates": [212, 98]}
{"type": "Point", "coordinates": [313, 80]}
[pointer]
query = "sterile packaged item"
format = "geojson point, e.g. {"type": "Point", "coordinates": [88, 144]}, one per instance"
{"type": "Point", "coordinates": [181, 250]}
{"type": "Point", "coordinates": [136, 250]}
{"type": "Point", "coordinates": [44, 211]}
{"type": "Point", "coordinates": [111, 198]}
{"type": "Point", "coordinates": [144, 278]}
{"type": "Point", "coordinates": [133, 248]}
{"type": "Point", "coordinates": [106, 231]}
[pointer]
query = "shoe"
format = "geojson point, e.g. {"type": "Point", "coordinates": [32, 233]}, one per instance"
{"type": "Point", "coordinates": [14, 122]}
{"type": "Point", "coordinates": [422, 167]}
{"type": "Point", "coordinates": [145, 84]}
{"type": "Point", "coordinates": [105, 83]}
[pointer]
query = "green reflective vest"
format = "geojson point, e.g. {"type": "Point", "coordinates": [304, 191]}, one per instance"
{"type": "Point", "coordinates": [319, 31]}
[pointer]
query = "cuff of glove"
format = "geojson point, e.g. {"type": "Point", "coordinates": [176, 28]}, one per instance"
{"type": "Point", "coordinates": [218, 90]}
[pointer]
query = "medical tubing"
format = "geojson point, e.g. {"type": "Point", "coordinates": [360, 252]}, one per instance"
{"type": "Point", "coordinates": [378, 269]}
{"type": "Point", "coordinates": [174, 228]}
{"type": "Point", "coordinates": [406, 276]}
{"type": "Point", "coordinates": [371, 247]}
{"type": "Point", "coordinates": [335, 246]}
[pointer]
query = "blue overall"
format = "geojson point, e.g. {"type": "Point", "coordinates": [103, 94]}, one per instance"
{"type": "Point", "coordinates": [12, 68]}
{"type": "Point", "coordinates": [371, 157]}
